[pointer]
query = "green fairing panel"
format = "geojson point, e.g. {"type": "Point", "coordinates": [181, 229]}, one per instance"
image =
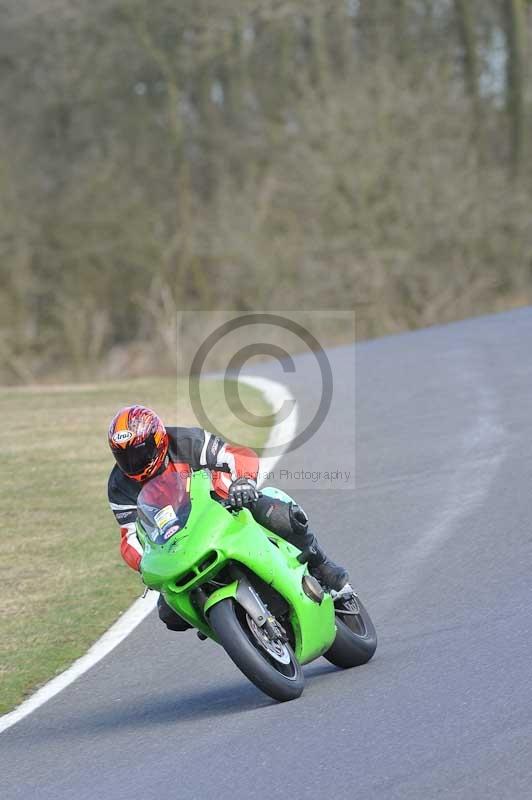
{"type": "Point", "coordinates": [221, 594]}
{"type": "Point", "coordinates": [212, 530]}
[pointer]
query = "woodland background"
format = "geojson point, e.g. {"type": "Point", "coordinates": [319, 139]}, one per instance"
{"type": "Point", "coordinates": [241, 155]}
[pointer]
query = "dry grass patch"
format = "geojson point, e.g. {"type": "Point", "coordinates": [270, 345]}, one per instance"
{"type": "Point", "coordinates": [62, 581]}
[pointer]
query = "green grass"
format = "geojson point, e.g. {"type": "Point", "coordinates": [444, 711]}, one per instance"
{"type": "Point", "coordinates": [62, 580]}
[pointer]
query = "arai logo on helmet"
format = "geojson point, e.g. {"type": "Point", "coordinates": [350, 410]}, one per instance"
{"type": "Point", "coordinates": [120, 437]}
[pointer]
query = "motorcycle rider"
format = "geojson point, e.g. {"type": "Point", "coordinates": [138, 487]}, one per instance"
{"type": "Point", "coordinates": [143, 448]}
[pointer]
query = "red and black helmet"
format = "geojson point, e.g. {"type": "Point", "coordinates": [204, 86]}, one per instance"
{"type": "Point", "coordinates": [138, 441]}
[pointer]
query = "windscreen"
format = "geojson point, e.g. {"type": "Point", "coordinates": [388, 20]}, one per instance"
{"type": "Point", "coordinates": [164, 505]}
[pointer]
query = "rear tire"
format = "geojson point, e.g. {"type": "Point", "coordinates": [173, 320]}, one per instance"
{"type": "Point", "coordinates": [282, 680]}
{"type": "Point", "coordinates": [356, 638]}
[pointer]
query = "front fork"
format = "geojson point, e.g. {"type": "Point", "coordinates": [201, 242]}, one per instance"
{"type": "Point", "coordinates": [246, 596]}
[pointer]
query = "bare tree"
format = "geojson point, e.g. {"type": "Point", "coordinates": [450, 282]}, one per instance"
{"type": "Point", "coordinates": [515, 24]}
{"type": "Point", "coordinates": [466, 27]}
{"type": "Point", "coordinates": [220, 154]}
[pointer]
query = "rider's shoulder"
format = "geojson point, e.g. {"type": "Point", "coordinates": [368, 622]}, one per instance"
{"type": "Point", "coordinates": [120, 487]}
{"type": "Point", "coordinates": [183, 430]}
{"type": "Point", "coordinates": [178, 433]}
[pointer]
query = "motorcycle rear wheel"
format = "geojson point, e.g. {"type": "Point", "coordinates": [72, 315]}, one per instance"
{"type": "Point", "coordinates": [270, 665]}
{"type": "Point", "coordinates": [356, 638]}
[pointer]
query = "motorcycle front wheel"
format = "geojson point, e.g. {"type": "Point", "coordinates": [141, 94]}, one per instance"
{"type": "Point", "coordinates": [268, 663]}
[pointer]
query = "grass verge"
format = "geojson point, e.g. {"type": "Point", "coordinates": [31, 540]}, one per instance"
{"type": "Point", "coordinates": [62, 581]}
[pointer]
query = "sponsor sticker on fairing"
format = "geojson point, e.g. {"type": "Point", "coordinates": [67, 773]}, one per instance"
{"type": "Point", "coordinates": [170, 532]}
{"type": "Point", "coordinates": [164, 516]}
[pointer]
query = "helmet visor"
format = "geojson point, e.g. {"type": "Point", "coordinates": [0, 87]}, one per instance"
{"type": "Point", "coordinates": [133, 460]}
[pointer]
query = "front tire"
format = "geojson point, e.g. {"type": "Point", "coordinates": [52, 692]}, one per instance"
{"type": "Point", "coordinates": [273, 668]}
{"type": "Point", "coordinates": [356, 638]}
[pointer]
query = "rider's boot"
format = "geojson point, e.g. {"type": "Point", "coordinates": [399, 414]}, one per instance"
{"type": "Point", "coordinates": [324, 569]}
{"type": "Point", "coordinates": [329, 574]}
{"type": "Point", "coordinates": [172, 620]}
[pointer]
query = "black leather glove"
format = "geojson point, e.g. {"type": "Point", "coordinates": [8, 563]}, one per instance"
{"type": "Point", "coordinates": [242, 492]}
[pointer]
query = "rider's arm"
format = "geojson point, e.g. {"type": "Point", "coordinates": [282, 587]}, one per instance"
{"type": "Point", "coordinates": [124, 508]}
{"type": "Point", "coordinates": [130, 547]}
{"type": "Point", "coordinates": [228, 463]}
{"type": "Point", "coordinates": [202, 449]}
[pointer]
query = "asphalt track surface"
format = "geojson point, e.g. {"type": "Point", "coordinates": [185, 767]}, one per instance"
{"type": "Point", "coordinates": [438, 538]}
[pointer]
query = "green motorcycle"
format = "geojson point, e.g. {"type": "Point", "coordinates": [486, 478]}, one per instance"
{"type": "Point", "coordinates": [245, 587]}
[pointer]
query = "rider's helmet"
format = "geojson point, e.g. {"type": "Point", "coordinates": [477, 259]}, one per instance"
{"type": "Point", "coordinates": [138, 441]}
